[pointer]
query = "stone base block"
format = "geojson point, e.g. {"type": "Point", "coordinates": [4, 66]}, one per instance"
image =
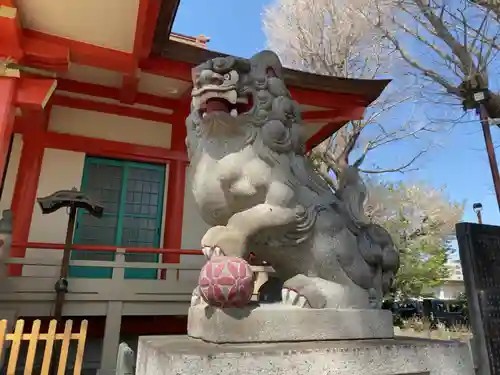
{"type": "Point", "coordinates": [171, 355]}
{"type": "Point", "coordinates": [278, 322]}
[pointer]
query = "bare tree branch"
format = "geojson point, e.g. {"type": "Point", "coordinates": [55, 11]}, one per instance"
{"type": "Point", "coordinates": [442, 43]}
{"type": "Point", "coordinates": [462, 36]}
{"type": "Point", "coordinates": [429, 73]}
{"type": "Point", "coordinates": [328, 37]}
{"type": "Point", "coordinates": [491, 5]}
{"type": "Point", "coordinates": [401, 169]}
{"type": "Point", "coordinates": [467, 63]}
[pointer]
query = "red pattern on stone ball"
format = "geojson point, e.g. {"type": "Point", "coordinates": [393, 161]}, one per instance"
{"type": "Point", "coordinates": [226, 282]}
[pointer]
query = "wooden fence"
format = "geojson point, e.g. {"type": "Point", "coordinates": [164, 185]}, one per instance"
{"type": "Point", "coordinates": [50, 338]}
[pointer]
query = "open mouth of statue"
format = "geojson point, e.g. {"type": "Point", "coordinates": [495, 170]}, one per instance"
{"type": "Point", "coordinates": [225, 102]}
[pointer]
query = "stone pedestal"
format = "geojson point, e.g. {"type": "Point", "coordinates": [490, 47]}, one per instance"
{"type": "Point", "coordinates": [174, 355]}
{"type": "Point", "coordinates": [277, 322]}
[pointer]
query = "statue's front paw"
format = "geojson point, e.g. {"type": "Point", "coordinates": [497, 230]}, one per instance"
{"type": "Point", "coordinates": [302, 291]}
{"type": "Point", "coordinates": [210, 251]}
{"type": "Point", "coordinates": [221, 240]}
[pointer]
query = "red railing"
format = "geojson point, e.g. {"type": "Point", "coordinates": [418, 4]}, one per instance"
{"type": "Point", "coordinates": [113, 249]}
{"type": "Point", "coordinates": [59, 246]}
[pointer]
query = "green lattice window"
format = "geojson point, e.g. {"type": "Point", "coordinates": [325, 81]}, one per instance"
{"type": "Point", "coordinates": [132, 194]}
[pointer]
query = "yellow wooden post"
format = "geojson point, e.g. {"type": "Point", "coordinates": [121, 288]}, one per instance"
{"type": "Point", "coordinates": [80, 348]}
{"type": "Point", "coordinates": [3, 332]}
{"type": "Point", "coordinates": [15, 346]}
{"type": "Point", "coordinates": [30, 357]}
{"type": "Point", "coordinates": [63, 355]}
{"type": "Point", "coordinates": [49, 346]}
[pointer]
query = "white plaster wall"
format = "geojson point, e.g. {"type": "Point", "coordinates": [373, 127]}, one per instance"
{"type": "Point", "coordinates": [193, 229]}
{"type": "Point", "coordinates": [60, 170]}
{"type": "Point", "coordinates": [192, 224]}
{"type": "Point", "coordinates": [111, 127]}
{"type": "Point", "coordinates": [109, 23]}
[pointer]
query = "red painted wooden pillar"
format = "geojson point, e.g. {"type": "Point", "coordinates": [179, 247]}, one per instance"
{"type": "Point", "coordinates": [28, 175]}
{"type": "Point", "coordinates": [172, 236]}
{"type": "Point", "coordinates": [175, 209]}
{"type": "Point", "coordinates": [7, 115]}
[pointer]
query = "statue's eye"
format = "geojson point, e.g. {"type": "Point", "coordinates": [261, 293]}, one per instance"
{"type": "Point", "coordinates": [227, 77]}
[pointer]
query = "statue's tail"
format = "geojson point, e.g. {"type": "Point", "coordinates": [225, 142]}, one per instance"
{"type": "Point", "coordinates": [389, 261]}
{"type": "Point", "coordinates": [375, 244]}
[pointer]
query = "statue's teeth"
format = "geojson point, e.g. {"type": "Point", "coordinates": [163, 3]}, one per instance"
{"type": "Point", "coordinates": [231, 96]}
{"type": "Point", "coordinates": [234, 112]}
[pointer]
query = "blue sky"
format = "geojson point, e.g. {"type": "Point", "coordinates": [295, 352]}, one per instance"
{"type": "Point", "coordinates": [460, 161]}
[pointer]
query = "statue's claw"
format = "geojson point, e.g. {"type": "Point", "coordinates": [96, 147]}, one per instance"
{"type": "Point", "coordinates": [210, 251]}
{"type": "Point", "coordinates": [291, 297]}
{"type": "Point", "coordinates": [196, 298]}
{"type": "Point", "coordinates": [221, 240]}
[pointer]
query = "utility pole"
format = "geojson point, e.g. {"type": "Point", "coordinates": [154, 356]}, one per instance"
{"type": "Point", "coordinates": [490, 149]}
{"type": "Point", "coordinates": [476, 93]}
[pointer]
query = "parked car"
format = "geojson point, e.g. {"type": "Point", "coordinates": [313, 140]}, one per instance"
{"type": "Point", "coordinates": [410, 308]}
{"type": "Point", "coordinates": [451, 313]}
{"type": "Point", "coordinates": [403, 310]}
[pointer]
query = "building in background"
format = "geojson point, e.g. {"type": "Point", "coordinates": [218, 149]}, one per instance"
{"type": "Point", "coordinates": [453, 286]}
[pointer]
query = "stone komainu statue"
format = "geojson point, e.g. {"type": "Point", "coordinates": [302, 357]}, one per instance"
{"type": "Point", "coordinates": [254, 185]}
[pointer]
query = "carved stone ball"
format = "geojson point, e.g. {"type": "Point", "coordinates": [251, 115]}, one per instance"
{"type": "Point", "coordinates": [226, 282]}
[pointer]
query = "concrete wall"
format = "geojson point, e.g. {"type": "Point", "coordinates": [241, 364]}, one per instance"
{"type": "Point", "coordinates": [64, 169]}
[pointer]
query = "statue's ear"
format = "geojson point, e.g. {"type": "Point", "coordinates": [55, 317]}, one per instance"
{"type": "Point", "coordinates": [267, 63]}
